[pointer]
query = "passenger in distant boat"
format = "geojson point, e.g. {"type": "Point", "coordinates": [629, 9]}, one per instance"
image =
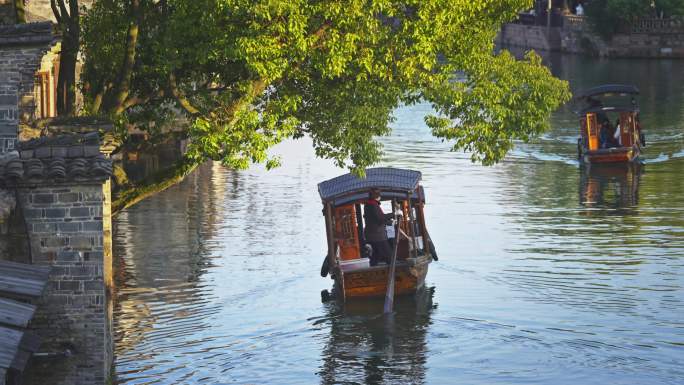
{"type": "Point", "coordinates": [375, 232]}
{"type": "Point", "coordinates": [617, 136]}
{"type": "Point", "coordinates": [605, 135]}
{"type": "Point", "coordinates": [601, 116]}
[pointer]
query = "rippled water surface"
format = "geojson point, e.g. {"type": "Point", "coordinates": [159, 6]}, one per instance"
{"type": "Point", "coordinates": [548, 274]}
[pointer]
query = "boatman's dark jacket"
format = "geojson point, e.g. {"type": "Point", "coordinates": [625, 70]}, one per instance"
{"type": "Point", "coordinates": [375, 221]}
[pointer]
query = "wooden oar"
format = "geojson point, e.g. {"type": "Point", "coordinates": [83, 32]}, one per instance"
{"type": "Point", "coordinates": [389, 296]}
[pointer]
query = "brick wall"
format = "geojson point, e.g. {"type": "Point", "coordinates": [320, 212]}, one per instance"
{"type": "Point", "coordinates": [18, 66]}
{"type": "Point", "coordinates": [66, 226]}
{"type": "Point", "coordinates": [22, 47]}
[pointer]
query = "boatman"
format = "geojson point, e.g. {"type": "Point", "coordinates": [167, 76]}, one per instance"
{"type": "Point", "coordinates": [375, 232]}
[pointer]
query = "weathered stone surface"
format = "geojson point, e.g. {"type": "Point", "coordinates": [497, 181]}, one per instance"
{"type": "Point", "coordinates": [7, 205]}
{"type": "Point", "coordinates": [22, 47]}
{"type": "Point", "coordinates": [68, 235]}
{"type": "Point", "coordinates": [580, 39]}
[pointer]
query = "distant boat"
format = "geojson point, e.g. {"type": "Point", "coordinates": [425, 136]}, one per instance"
{"type": "Point", "coordinates": [347, 259]}
{"type": "Point", "coordinates": [601, 140]}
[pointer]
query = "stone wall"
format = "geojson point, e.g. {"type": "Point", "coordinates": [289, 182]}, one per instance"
{"type": "Point", "coordinates": [529, 36]}
{"type": "Point", "coordinates": [22, 49]}
{"type": "Point", "coordinates": [65, 224]}
{"type": "Point", "coordinates": [577, 38]}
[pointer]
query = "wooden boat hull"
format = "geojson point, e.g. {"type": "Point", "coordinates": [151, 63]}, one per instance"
{"type": "Point", "coordinates": [372, 281]}
{"type": "Point", "coordinates": [612, 155]}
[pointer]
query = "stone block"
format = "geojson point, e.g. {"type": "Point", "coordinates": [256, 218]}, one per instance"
{"type": "Point", "coordinates": [69, 227]}
{"type": "Point", "coordinates": [69, 197]}
{"type": "Point", "coordinates": [92, 226]}
{"type": "Point", "coordinates": [91, 151]}
{"type": "Point", "coordinates": [44, 227]}
{"type": "Point", "coordinates": [93, 285]}
{"type": "Point", "coordinates": [75, 152]}
{"type": "Point", "coordinates": [70, 285]}
{"type": "Point", "coordinates": [80, 242]}
{"type": "Point", "coordinates": [58, 271]}
{"type": "Point", "coordinates": [69, 256]}
{"type": "Point", "coordinates": [43, 198]}
{"type": "Point", "coordinates": [42, 152]}
{"type": "Point", "coordinates": [77, 212]}
{"type": "Point", "coordinates": [87, 271]}
{"type": "Point", "coordinates": [92, 196]}
{"type": "Point", "coordinates": [93, 256]}
{"type": "Point", "coordinates": [53, 242]}
{"type": "Point", "coordinates": [60, 152]}
{"type": "Point", "coordinates": [33, 213]}
{"type": "Point", "coordinates": [55, 213]}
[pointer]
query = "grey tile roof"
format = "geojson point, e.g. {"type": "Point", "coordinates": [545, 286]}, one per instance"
{"type": "Point", "coordinates": [26, 282]}
{"type": "Point", "coordinates": [383, 178]}
{"type": "Point", "coordinates": [61, 158]}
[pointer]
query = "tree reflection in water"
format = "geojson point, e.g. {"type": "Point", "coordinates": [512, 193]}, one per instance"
{"type": "Point", "coordinates": [610, 185]}
{"type": "Point", "coordinates": [367, 347]}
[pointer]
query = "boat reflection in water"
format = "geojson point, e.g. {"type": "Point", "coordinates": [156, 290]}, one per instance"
{"type": "Point", "coordinates": [367, 347]}
{"type": "Point", "coordinates": [610, 185]}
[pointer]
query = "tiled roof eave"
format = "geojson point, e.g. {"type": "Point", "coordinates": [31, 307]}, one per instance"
{"type": "Point", "coordinates": [54, 182]}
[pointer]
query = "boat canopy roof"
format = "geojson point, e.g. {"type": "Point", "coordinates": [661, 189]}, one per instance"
{"type": "Point", "coordinates": [608, 97]}
{"type": "Point", "coordinates": [610, 109]}
{"type": "Point", "coordinates": [383, 178]}
{"type": "Point", "coordinates": [608, 89]}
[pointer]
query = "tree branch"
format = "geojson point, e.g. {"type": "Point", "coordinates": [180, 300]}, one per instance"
{"type": "Point", "coordinates": [126, 72]}
{"type": "Point", "coordinates": [137, 100]}
{"type": "Point", "coordinates": [62, 8]}
{"type": "Point", "coordinates": [73, 6]}
{"type": "Point", "coordinates": [160, 182]}
{"type": "Point", "coordinates": [55, 11]}
{"type": "Point", "coordinates": [182, 100]}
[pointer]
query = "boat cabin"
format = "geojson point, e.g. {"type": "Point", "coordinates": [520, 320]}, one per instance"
{"type": "Point", "coordinates": [345, 204]}
{"type": "Point", "coordinates": [609, 124]}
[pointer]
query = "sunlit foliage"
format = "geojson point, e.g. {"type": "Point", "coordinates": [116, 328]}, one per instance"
{"type": "Point", "coordinates": [247, 74]}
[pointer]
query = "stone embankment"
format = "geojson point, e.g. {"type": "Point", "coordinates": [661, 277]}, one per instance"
{"type": "Point", "coordinates": [648, 38]}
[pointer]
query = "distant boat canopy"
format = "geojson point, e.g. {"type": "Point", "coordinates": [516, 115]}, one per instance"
{"type": "Point", "coordinates": [609, 127]}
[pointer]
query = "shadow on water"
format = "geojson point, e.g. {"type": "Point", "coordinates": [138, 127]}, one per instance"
{"type": "Point", "coordinates": [367, 347]}
{"type": "Point", "coordinates": [610, 186]}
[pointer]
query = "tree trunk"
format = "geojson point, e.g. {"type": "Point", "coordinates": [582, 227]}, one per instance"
{"type": "Point", "coordinates": [69, 23]}
{"type": "Point", "coordinates": [66, 83]}
{"type": "Point", "coordinates": [123, 80]}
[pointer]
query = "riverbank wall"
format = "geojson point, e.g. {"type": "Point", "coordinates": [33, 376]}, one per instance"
{"type": "Point", "coordinates": [646, 40]}
{"type": "Point", "coordinates": [63, 199]}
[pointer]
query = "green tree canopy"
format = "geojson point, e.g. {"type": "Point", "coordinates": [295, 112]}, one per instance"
{"type": "Point", "coordinates": [247, 74]}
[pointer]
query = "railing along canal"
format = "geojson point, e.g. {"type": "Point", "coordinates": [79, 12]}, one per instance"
{"type": "Point", "coordinates": [653, 25]}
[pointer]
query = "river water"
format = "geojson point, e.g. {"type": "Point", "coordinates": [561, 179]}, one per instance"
{"type": "Point", "coordinates": [548, 273]}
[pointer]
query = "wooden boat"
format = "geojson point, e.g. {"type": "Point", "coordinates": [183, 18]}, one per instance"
{"type": "Point", "coordinates": [346, 260]}
{"type": "Point", "coordinates": [600, 140]}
